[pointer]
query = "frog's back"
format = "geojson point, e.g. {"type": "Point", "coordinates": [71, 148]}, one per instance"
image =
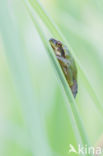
{"type": "Point", "coordinates": [74, 87]}
{"type": "Point", "coordinates": [71, 60]}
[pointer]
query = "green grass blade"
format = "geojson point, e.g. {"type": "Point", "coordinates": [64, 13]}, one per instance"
{"type": "Point", "coordinates": [71, 101]}
{"type": "Point", "coordinates": [57, 34]}
{"type": "Point", "coordinates": [18, 68]}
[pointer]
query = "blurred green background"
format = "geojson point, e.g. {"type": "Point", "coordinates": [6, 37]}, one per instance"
{"type": "Point", "coordinates": [34, 120]}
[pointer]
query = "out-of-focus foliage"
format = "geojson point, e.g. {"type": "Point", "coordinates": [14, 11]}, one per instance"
{"type": "Point", "coordinates": [33, 116]}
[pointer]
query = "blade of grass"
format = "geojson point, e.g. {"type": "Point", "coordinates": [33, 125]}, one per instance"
{"type": "Point", "coordinates": [57, 34]}
{"type": "Point", "coordinates": [17, 63]}
{"type": "Point", "coordinates": [71, 101]}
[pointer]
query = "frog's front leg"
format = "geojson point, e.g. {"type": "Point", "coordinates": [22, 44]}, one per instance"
{"type": "Point", "coordinates": [63, 60]}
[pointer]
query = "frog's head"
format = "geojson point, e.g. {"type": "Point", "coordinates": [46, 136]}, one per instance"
{"type": "Point", "coordinates": [57, 47]}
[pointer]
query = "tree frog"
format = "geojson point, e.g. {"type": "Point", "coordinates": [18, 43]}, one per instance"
{"type": "Point", "coordinates": [67, 63]}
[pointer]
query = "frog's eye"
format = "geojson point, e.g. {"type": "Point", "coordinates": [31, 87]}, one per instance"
{"type": "Point", "coordinates": [59, 44]}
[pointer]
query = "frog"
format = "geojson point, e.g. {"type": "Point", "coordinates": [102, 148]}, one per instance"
{"type": "Point", "coordinates": [67, 63]}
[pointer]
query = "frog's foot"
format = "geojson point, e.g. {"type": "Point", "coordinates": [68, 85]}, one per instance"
{"type": "Point", "coordinates": [74, 88]}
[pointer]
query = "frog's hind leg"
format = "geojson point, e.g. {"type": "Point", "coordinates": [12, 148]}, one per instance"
{"type": "Point", "coordinates": [74, 88]}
